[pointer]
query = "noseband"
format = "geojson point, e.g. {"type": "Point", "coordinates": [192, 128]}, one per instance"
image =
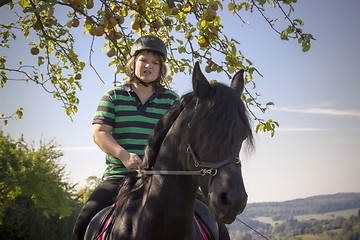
{"type": "Point", "coordinates": [207, 168]}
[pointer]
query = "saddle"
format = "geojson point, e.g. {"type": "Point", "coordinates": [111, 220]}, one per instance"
{"type": "Point", "coordinates": [207, 223]}
{"type": "Point", "coordinates": [100, 225]}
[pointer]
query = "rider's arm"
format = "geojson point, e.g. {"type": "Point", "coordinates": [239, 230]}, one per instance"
{"type": "Point", "coordinates": [103, 138]}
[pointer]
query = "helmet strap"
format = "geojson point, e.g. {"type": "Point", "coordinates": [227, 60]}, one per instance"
{"type": "Point", "coordinates": [142, 82]}
{"type": "Point", "coordinates": [137, 78]}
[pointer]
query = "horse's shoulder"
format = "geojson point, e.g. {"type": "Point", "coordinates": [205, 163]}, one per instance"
{"type": "Point", "coordinates": [204, 217]}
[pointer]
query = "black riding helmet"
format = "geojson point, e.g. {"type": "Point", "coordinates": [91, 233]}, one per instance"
{"type": "Point", "coordinates": [151, 43]}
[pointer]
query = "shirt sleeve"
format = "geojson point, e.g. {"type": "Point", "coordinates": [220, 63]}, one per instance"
{"type": "Point", "coordinates": [105, 113]}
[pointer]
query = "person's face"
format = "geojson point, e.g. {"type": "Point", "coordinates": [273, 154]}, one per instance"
{"type": "Point", "coordinates": [147, 66]}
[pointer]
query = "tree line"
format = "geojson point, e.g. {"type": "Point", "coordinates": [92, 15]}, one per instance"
{"type": "Point", "coordinates": [36, 199]}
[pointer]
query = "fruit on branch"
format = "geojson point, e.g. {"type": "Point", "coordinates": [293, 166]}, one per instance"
{"type": "Point", "coordinates": [208, 69]}
{"type": "Point", "coordinates": [34, 50]}
{"type": "Point", "coordinates": [77, 76]}
{"type": "Point", "coordinates": [110, 52]}
{"type": "Point", "coordinates": [174, 11]}
{"type": "Point", "coordinates": [37, 26]}
{"type": "Point", "coordinates": [215, 6]}
{"type": "Point", "coordinates": [142, 8]}
{"type": "Point", "coordinates": [135, 25]}
{"type": "Point", "coordinates": [113, 34]}
{"type": "Point", "coordinates": [75, 22]}
{"type": "Point", "coordinates": [112, 22]}
{"type": "Point", "coordinates": [88, 20]}
{"type": "Point", "coordinates": [213, 67]}
{"type": "Point", "coordinates": [99, 31]}
{"type": "Point", "coordinates": [119, 18]}
{"type": "Point", "coordinates": [92, 31]}
{"type": "Point", "coordinates": [210, 15]}
{"type": "Point", "coordinates": [167, 22]}
{"type": "Point", "coordinates": [90, 4]}
{"type": "Point", "coordinates": [48, 22]}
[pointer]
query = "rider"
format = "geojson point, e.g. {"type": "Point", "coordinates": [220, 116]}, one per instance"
{"type": "Point", "coordinates": [124, 119]}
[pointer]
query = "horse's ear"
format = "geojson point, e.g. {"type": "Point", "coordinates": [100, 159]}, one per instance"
{"type": "Point", "coordinates": [237, 82]}
{"type": "Point", "coordinates": [201, 85]}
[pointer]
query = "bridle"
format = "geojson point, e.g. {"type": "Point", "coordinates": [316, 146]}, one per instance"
{"type": "Point", "coordinates": [206, 168]}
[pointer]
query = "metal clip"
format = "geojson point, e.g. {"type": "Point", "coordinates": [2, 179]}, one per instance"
{"type": "Point", "coordinates": [196, 163]}
{"type": "Point", "coordinates": [211, 171]}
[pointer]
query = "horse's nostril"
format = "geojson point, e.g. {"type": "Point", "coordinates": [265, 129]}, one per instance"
{"type": "Point", "coordinates": [225, 199]}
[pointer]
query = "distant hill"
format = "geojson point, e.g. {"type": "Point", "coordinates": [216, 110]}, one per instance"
{"type": "Point", "coordinates": [283, 211]}
{"type": "Point", "coordinates": [311, 205]}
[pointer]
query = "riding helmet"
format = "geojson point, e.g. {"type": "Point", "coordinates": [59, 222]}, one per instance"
{"type": "Point", "coordinates": [149, 42]}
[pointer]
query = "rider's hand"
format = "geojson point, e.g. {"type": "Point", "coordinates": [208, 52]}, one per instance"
{"type": "Point", "coordinates": [132, 162]}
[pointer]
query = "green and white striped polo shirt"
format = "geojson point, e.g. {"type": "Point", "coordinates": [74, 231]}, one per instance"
{"type": "Point", "coordinates": [132, 121]}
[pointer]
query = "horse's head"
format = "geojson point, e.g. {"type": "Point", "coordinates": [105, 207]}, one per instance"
{"type": "Point", "coordinates": [216, 133]}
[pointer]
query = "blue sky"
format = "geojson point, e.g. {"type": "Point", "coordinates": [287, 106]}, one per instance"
{"type": "Point", "coordinates": [317, 147]}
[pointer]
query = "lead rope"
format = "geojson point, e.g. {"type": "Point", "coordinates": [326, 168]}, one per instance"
{"type": "Point", "coordinates": [252, 228]}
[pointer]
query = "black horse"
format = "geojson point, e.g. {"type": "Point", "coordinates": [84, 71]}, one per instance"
{"type": "Point", "coordinates": [196, 144]}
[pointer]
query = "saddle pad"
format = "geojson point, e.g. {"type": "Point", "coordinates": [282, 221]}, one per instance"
{"type": "Point", "coordinates": [204, 236]}
{"type": "Point", "coordinates": [98, 224]}
{"type": "Point", "coordinates": [207, 223]}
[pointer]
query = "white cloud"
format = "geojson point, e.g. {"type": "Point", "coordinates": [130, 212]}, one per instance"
{"type": "Point", "coordinates": [326, 111]}
{"type": "Point", "coordinates": [301, 129]}
{"type": "Point", "coordinates": [86, 148]}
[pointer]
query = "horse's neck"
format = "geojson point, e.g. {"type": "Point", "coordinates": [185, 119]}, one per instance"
{"type": "Point", "coordinates": [171, 199]}
{"type": "Point", "coordinates": [169, 208]}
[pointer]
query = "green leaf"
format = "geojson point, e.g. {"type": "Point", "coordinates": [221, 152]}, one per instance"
{"type": "Point", "coordinates": [262, 2]}
{"type": "Point", "coordinates": [305, 46]}
{"type": "Point", "coordinates": [29, 9]}
{"type": "Point", "coordinates": [248, 61]}
{"type": "Point", "coordinates": [231, 6]}
{"type": "Point", "coordinates": [19, 113]}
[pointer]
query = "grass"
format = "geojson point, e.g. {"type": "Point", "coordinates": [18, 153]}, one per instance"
{"type": "Point", "coordinates": [323, 236]}
{"type": "Point", "coordinates": [328, 215]}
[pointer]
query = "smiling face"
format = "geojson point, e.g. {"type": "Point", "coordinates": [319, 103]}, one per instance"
{"type": "Point", "coordinates": [147, 66]}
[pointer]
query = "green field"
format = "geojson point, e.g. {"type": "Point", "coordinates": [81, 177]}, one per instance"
{"type": "Point", "coordinates": [329, 215]}
{"type": "Point", "coordinates": [320, 216]}
{"type": "Point", "coordinates": [323, 236]}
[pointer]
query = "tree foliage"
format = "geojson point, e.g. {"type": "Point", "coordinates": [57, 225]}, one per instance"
{"type": "Point", "coordinates": [34, 172]}
{"type": "Point", "coordinates": [191, 29]}
{"type": "Point", "coordinates": [23, 220]}
{"type": "Point", "coordinates": [84, 193]}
